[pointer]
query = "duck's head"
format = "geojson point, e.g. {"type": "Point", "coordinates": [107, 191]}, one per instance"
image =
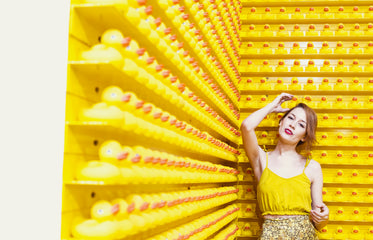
{"type": "Point", "coordinates": [110, 151]}
{"type": "Point", "coordinates": [104, 210]}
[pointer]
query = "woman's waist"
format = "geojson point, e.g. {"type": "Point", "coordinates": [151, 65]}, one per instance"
{"type": "Point", "coordinates": [290, 216]}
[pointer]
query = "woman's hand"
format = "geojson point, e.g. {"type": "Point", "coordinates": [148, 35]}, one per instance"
{"type": "Point", "coordinates": [320, 215]}
{"type": "Point", "coordinates": [279, 100]}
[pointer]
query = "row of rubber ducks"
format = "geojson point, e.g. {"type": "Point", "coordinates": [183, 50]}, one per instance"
{"type": "Point", "coordinates": [128, 101]}
{"type": "Point", "coordinates": [324, 138]}
{"type": "Point", "coordinates": [318, 102]}
{"type": "Point", "coordinates": [296, 66]}
{"type": "Point", "coordinates": [132, 165]}
{"type": "Point", "coordinates": [346, 232]}
{"type": "Point", "coordinates": [328, 120]}
{"type": "Point", "coordinates": [348, 175]}
{"type": "Point", "coordinates": [326, 12]}
{"type": "Point", "coordinates": [203, 227]}
{"type": "Point", "coordinates": [136, 63]}
{"type": "Point", "coordinates": [348, 195]}
{"type": "Point", "coordinates": [122, 217]}
{"type": "Point", "coordinates": [308, 84]}
{"type": "Point", "coordinates": [351, 214]}
{"type": "Point", "coordinates": [248, 229]}
{"type": "Point", "coordinates": [309, 48]}
{"type": "Point", "coordinates": [218, 24]}
{"type": "Point", "coordinates": [228, 233]}
{"type": "Point", "coordinates": [312, 30]}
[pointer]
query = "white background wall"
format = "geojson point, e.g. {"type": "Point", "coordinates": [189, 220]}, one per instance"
{"type": "Point", "coordinates": [33, 53]}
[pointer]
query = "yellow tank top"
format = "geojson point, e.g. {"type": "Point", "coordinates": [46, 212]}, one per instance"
{"type": "Point", "coordinates": [284, 196]}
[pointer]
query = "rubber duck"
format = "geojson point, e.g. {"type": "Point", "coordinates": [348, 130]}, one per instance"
{"type": "Point", "coordinates": [295, 84]}
{"type": "Point", "coordinates": [250, 85]}
{"type": "Point", "coordinates": [369, 29]}
{"type": "Point", "coordinates": [297, 14]}
{"type": "Point", "coordinates": [296, 49]}
{"type": "Point", "coordinates": [370, 176]}
{"type": "Point", "coordinates": [356, 234]}
{"type": "Point", "coordinates": [340, 120]}
{"type": "Point", "coordinates": [280, 84]}
{"type": "Point", "coordinates": [111, 151]}
{"type": "Point", "coordinates": [340, 66]}
{"type": "Point", "coordinates": [369, 48]}
{"type": "Point", "coordinates": [252, 32]}
{"type": "Point", "coordinates": [369, 217]}
{"type": "Point", "coordinates": [369, 67]}
{"type": "Point", "coordinates": [340, 49]}
{"type": "Point", "coordinates": [340, 234]}
{"type": "Point", "coordinates": [369, 14]}
{"type": "Point", "coordinates": [324, 138]}
{"type": "Point", "coordinates": [355, 196]}
{"type": "Point", "coordinates": [296, 31]}
{"type": "Point", "coordinates": [355, 49]}
{"type": "Point", "coordinates": [326, 31]}
{"type": "Point", "coordinates": [310, 86]}
{"type": "Point", "coordinates": [355, 176]}
{"type": "Point", "coordinates": [325, 233]}
{"type": "Point", "coordinates": [312, 31]}
{"type": "Point", "coordinates": [264, 84]}
{"type": "Point", "coordinates": [369, 104]}
{"type": "Point", "coordinates": [340, 214]}
{"type": "Point", "coordinates": [246, 230]}
{"type": "Point", "coordinates": [311, 66]}
{"type": "Point", "coordinates": [253, 14]}
{"type": "Point", "coordinates": [282, 31]}
{"type": "Point", "coordinates": [327, 14]}
{"type": "Point", "coordinates": [340, 138]}
{"type": "Point", "coordinates": [281, 49]}
{"type": "Point", "coordinates": [282, 14]}
{"type": "Point", "coordinates": [341, 13]}
{"type": "Point", "coordinates": [262, 102]}
{"type": "Point", "coordinates": [98, 171]}
{"type": "Point", "coordinates": [355, 13]}
{"type": "Point", "coordinates": [355, 120]}
{"type": "Point", "coordinates": [249, 211]}
{"type": "Point", "coordinates": [101, 225]}
{"type": "Point", "coordinates": [341, 30]}
{"type": "Point", "coordinates": [251, 67]}
{"type": "Point", "coordinates": [325, 48]}
{"type": "Point", "coordinates": [355, 67]}
{"type": "Point", "coordinates": [326, 67]}
{"type": "Point", "coordinates": [265, 67]}
{"type": "Point", "coordinates": [267, 32]}
{"type": "Point", "coordinates": [339, 85]}
{"type": "Point", "coordinates": [354, 157]}
{"type": "Point", "coordinates": [266, 49]}
{"type": "Point", "coordinates": [311, 13]}
{"type": "Point", "coordinates": [281, 66]}
{"type": "Point", "coordinates": [339, 196]}
{"type": "Point", "coordinates": [102, 112]}
{"type": "Point", "coordinates": [125, 227]}
{"type": "Point", "coordinates": [296, 66]}
{"type": "Point", "coordinates": [310, 49]}
{"type": "Point", "coordinates": [354, 103]}
{"type": "Point", "coordinates": [324, 121]}
{"type": "Point", "coordinates": [267, 14]}
{"type": "Point", "coordinates": [355, 85]}
{"type": "Point", "coordinates": [251, 49]}
{"type": "Point", "coordinates": [103, 53]}
{"type": "Point", "coordinates": [356, 31]}
{"type": "Point", "coordinates": [369, 196]}
{"type": "Point", "coordinates": [308, 100]}
{"type": "Point", "coordinates": [326, 195]}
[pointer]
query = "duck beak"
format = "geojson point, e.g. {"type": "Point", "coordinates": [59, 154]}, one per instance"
{"type": "Point", "coordinates": [115, 209]}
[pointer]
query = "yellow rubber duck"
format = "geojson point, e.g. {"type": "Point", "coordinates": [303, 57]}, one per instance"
{"type": "Point", "coordinates": [295, 84]}
{"type": "Point", "coordinates": [297, 14]}
{"type": "Point", "coordinates": [267, 32]}
{"type": "Point", "coordinates": [369, 48]}
{"type": "Point", "coordinates": [325, 233]}
{"type": "Point", "coordinates": [101, 226]}
{"type": "Point", "coordinates": [369, 30]}
{"type": "Point", "coordinates": [98, 171]}
{"type": "Point", "coordinates": [265, 67]}
{"type": "Point", "coordinates": [369, 67]}
{"type": "Point", "coordinates": [340, 233]}
{"type": "Point", "coordinates": [310, 49]}
{"type": "Point", "coordinates": [281, 66]}
{"type": "Point", "coordinates": [111, 151]}
{"type": "Point", "coordinates": [326, 67]}
{"type": "Point", "coordinates": [251, 49]}
{"type": "Point", "coordinates": [296, 31]}
{"type": "Point", "coordinates": [103, 53]}
{"type": "Point", "coordinates": [327, 14]}
{"type": "Point", "coordinates": [355, 67]}
{"type": "Point", "coordinates": [280, 84]}
{"type": "Point", "coordinates": [125, 227]}
{"type": "Point", "coordinates": [355, 13]}
{"type": "Point", "coordinates": [341, 30]}
{"type": "Point", "coordinates": [355, 85]}
{"type": "Point", "coordinates": [310, 86]}
{"type": "Point", "coordinates": [340, 66]}
{"type": "Point", "coordinates": [340, 214]}
{"type": "Point", "coordinates": [325, 49]}
{"type": "Point", "coordinates": [282, 13]}
{"type": "Point", "coordinates": [312, 31]}
{"type": "Point", "coordinates": [266, 49]}
{"type": "Point", "coordinates": [252, 32]}
{"type": "Point", "coordinates": [355, 49]}
{"type": "Point", "coordinates": [325, 85]}
{"type": "Point", "coordinates": [282, 31]}
{"type": "Point", "coordinates": [311, 66]}
{"type": "Point", "coordinates": [311, 13]}
{"type": "Point", "coordinates": [296, 49]}
{"type": "Point", "coordinates": [103, 113]}
{"type": "Point", "coordinates": [341, 13]}
{"type": "Point", "coordinates": [356, 234]}
{"type": "Point", "coordinates": [340, 49]}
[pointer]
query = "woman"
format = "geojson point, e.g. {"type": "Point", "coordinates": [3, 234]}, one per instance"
{"type": "Point", "coordinates": [289, 186]}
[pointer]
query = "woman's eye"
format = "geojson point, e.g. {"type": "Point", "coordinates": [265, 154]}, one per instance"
{"type": "Point", "coordinates": [301, 125]}
{"type": "Point", "coordinates": [291, 117]}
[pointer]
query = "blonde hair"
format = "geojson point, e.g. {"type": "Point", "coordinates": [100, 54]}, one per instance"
{"type": "Point", "coordinates": [310, 137]}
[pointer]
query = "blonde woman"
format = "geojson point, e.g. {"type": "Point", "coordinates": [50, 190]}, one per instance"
{"type": "Point", "coordinates": [289, 185]}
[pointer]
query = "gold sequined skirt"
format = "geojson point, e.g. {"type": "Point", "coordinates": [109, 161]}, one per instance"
{"type": "Point", "coordinates": [294, 228]}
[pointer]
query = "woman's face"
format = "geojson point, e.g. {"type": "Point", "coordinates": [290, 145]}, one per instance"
{"type": "Point", "coordinates": [293, 127]}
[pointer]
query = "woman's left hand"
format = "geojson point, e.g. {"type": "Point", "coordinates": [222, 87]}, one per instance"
{"type": "Point", "coordinates": [320, 214]}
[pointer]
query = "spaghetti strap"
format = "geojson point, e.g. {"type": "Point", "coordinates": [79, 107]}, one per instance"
{"type": "Point", "coordinates": [307, 162]}
{"type": "Point", "coordinates": [266, 159]}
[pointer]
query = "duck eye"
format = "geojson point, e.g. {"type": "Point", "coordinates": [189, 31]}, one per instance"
{"type": "Point", "coordinates": [100, 211]}
{"type": "Point", "coordinates": [108, 151]}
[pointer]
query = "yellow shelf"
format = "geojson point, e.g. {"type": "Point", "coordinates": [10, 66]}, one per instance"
{"type": "Point", "coordinates": [245, 37]}
{"type": "Point", "coordinates": [306, 56]}
{"type": "Point", "coordinates": [305, 21]}
{"type": "Point", "coordinates": [304, 74]}
{"type": "Point", "coordinates": [286, 3]}
{"type": "Point", "coordinates": [307, 92]}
